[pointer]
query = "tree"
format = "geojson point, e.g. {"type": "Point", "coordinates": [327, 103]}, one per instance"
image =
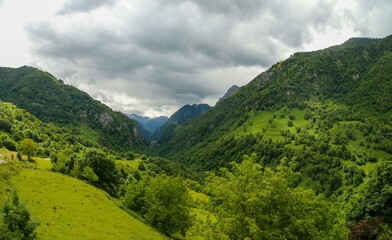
{"type": "Point", "coordinates": [376, 199]}
{"type": "Point", "coordinates": [17, 222]}
{"type": "Point", "coordinates": [96, 167]}
{"type": "Point", "coordinates": [168, 204]}
{"type": "Point", "coordinates": [89, 174]}
{"type": "Point", "coordinates": [252, 202]}
{"type": "Point", "coordinates": [135, 193]}
{"type": "Point", "coordinates": [28, 148]}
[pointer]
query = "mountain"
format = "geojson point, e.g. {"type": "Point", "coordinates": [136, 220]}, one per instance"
{"type": "Point", "coordinates": [229, 93]}
{"type": "Point", "coordinates": [140, 119]}
{"type": "Point", "coordinates": [180, 117]}
{"type": "Point", "coordinates": [154, 123]}
{"type": "Point", "coordinates": [53, 101]}
{"type": "Point", "coordinates": [187, 113]}
{"type": "Point", "coordinates": [149, 124]}
{"type": "Point", "coordinates": [331, 104]}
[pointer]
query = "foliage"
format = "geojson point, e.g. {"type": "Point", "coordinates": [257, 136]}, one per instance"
{"type": "Point", "coordinates": [376, 199]}
{"type": "Point", "coordinates": [252, 202]}
{"type": "Point", "coordinates": [96, 167]}
{"type": "Point", "coordinates": [89, 175]}
{"type": "Point", "coordinates": [168, 204]}
{"type": "Point", "coordinates": [371, 230]}
{"type": "Point", "coordinates": [135, 194]}
{"type": "Point", "coordinates": [17, 222]}
{"type": "Point", "coordinates": [163, 201]}
{"type": "Point", "coordinates": [27, 146]}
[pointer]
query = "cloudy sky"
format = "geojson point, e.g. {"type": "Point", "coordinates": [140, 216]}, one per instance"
{"type": "Point", "coordinates": [153, 56]}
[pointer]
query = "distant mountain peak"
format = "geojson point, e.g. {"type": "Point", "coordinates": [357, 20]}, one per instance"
{"type": "Point", "coordinates": [149, 124]}
{"type": "Point", "coordinates": [228, 93]}
{"type": "Point", "coordinates": [188, 112]}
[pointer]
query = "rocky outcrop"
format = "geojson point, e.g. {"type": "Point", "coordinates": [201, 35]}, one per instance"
{"type": "Point", "coordinates": [229, 93]}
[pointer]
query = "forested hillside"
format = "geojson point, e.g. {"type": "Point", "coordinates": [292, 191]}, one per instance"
{"type": "Point", "coordinates": [53, 101]}
{"type": "Point", "coordinates": [326, 102]}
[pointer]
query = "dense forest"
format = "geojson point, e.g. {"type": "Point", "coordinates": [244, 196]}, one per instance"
{"type": "Point", "coordinates": [304, 151]}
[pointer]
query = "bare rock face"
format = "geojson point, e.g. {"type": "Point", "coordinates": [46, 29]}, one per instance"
{"type": "Point", "coordinates": [229, 93]}
{"type": "Point", "coordinates": [105, 119]}
{"type": "Point", "coordinates": [264, 77]}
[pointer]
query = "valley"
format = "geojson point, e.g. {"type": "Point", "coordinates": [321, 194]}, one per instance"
{"type": "Point", "coordinates": [303, 151]}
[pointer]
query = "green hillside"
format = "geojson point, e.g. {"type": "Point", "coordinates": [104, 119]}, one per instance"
{"type": "Point", "coordinates": [51, 100]}
{"type": "Point", "coordinates": [68, 208]}
{"type": "Point", "coordinates": [57, 149]}
{"type": "Point", "coordinates": [17, 124]}
{"type": "Point", "coordinates": [347, 83]}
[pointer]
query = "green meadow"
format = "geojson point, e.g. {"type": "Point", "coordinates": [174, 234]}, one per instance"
{"type": "Point", "coordinates": [270, 123]}
{"type": "Point", "coordinates": [68, 208]}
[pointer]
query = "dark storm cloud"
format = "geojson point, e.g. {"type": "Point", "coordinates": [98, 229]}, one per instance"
{"type": "Point", "coordinates": [163, 54]}
{"type": "Point", "coordinates": [73, 6]}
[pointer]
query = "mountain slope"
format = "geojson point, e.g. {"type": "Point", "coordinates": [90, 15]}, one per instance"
{"type": "Point", "coordinates": [154, 123]}
{"type": "Point", "coordinates": [229, 93]}
{"type": "Point", "coordinates": [16, 124]}
{"type": "Point", "coordinates": [187, 113]}
{"type": "Point", "coordinates": [140, 119]}
{"type": "Point", "coordinates": [51, 100]}
{"type": "Point", "coordinates": [329, 87]}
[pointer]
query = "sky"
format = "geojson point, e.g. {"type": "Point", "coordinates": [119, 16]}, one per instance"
{"type": "Point", "coordinates": [151, 57]}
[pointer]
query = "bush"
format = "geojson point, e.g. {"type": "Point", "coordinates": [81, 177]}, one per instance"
{"type": "Point", "coordinates": [9, 144]}
{"type": "Point", "coordinates": [17, 222]}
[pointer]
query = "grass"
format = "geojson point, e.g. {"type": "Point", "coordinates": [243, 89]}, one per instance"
{"type": "Point", "coordinates": [203, 215]}
{"type": "Point", "coordinates": [68, 208]}
{"type": "Point", "coordinates": [6, 154]}
{"type": "Point", "coordinates": [197, 196]}
{"type": "Point", "coordinates": [88, 133]}
{"type": "Point", "coordinates": [269, 124]}
{"type": "Point", "coordinates": [128, 166]}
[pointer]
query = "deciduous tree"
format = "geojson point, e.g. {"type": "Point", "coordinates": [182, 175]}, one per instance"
{"type": "Point", "coordinates": [28, 147]}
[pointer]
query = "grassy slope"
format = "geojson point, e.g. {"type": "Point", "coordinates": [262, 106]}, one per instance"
{"type": "Point", "coordinates": [261, 120]}
{"type": "Point", "coordinates": [68, 208]}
